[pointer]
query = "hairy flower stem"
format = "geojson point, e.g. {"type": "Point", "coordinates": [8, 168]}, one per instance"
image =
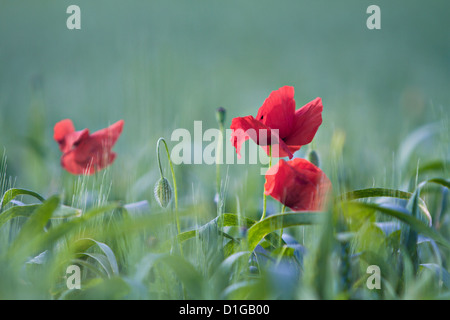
{"type": "Point", "coordinates": [175, 191]}
{"type": "Point", "coordinates": [218, 163]}
{"type": "Point", "coordinates": [264, 193]}
{"type": "Point", "coordinates": [220, 117]}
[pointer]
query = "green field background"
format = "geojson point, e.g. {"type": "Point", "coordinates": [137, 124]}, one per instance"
{"type": "Point", "coordinates": [161, 65]}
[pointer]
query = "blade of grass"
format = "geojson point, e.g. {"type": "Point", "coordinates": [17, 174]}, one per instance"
{"type": "Point", "coordinates": [274, 222]}
{"type": "Point", "coordinates": [184, 270]}
{"type": "Point", "coordinates": [27, 210]}
{"type": "Point", "coordinates": [14, 192]}
{"type": "Point", "coordinates": [413, 222]}
{"type": "Point", "coordinates": [108, 253]}
{"type": "Point", "coordinates": [23, 245]}
{"type": "Point", "coordinates": [382, 192]}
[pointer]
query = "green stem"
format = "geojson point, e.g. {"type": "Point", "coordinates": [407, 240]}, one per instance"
{"type": "Point", "coordinates": [175, 193]}
{"type": "Point", "coordinates": [264, 193]}
{"type": "Point", "coordinates": [218, 158]}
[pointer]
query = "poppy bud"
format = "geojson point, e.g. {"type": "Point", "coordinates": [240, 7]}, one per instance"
{"type": "Point", "coordinates": [220, 115]}
{"type": "Point", "coordinates": [313, 157]}
{"type": "Point", "coordinates": [163, 192]}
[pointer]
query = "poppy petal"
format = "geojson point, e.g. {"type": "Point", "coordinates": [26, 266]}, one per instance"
{"type": "Point", "coordinates": [277, 111]}
{"type": "Point", "coordinates": [307, 120]}
{"type": "Point", "coordinates": [279, 148]}
{"type": "Point", "coordinates": [66, 136]}
{"type": "Point", "coordinates": [89, 156]}
{"type": "Point", "coordinates": [244, 128]}
{"type": "Point", "coordinates": [63, 128]}
{"type": "Point", "coordinates": [84, 153]}
{"type": "Point", "coordinates": [108, 136]}
{"type": "Point", "coordinates": [69, 163]}
{"type": "Point", "coordinates": [248, 127]}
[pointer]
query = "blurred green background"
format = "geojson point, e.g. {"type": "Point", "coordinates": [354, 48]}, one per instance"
{"type": "Point", "coordinates": [160, 65]}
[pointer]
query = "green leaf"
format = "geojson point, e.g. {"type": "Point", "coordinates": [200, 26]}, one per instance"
{"type": "Point", "coordinates": [388, 267]}
{"type": "Point", "coordinates": [101, 273]}
{"type": "Point", "coordinates": [436, 165]}
{"type": "Point", "coordinates": [440, 272]}
{"type": "Point", "coordinates": [242, 290]}
{"type": "Point", "coordinates": [100, 289]}
{"type": "Point", "coordinates": [230, 219]}
{"type": "Point", "coordinates": [231, 247]}
{"type": "Point", "coordinates": [63, 212]}
{"type": "Point", "coordinates": [17, 211]}
{"type": "Point", "coordinates": [186, 235]}
{"type": "Point", "coordinates": [375, 192]}
{"type": "Point", "coordinates": [26, 210]}
{"type": "Point", "coordinates": [112, 267]}
{"type": "Point", "coordinates": [232, 265]}
{"type": "Point", "coordinates": [210, 245]}
{"type": "Point", "coordinates": [228, 263]}
{"type": "Point", "coordinates": [184, 270]}
{"type": "Point", "coordinates": [39, 259]}
{"type": "Point", "coordinates": [224, 220]}
{"type": "Point", "coordinates": [102, 260]}
{"type": "Point", "coordinates": [382, 192]}
{"type": "Point", "coordinates": [278, 221]}
{"type": "Point", "coordinates": [410, 235]}
{"type": "Point", "coordinates": [14, 192]}
{"type": "Point", "coordinates": [39, 218]}
{"type": "Point", "coordinates": [283, 251]}
{"type": "Point", "coordinates": [33, 227]}
{"type": "Point", "coordinates": [53, 234]}
{"type": "Point", "coordinates": [441, 181]}
{"type": "Point", "coordinates": [321, 271]}
{"type": "Point", "coordinates": [413, 222]}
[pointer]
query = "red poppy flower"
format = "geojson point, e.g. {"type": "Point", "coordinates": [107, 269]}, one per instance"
{"type": "Point", "coordinates": [278, 120]}
{"type": "Point", "coordinates": [85, 153]}
{"type": "Point", "coordinates": [298, 184]}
